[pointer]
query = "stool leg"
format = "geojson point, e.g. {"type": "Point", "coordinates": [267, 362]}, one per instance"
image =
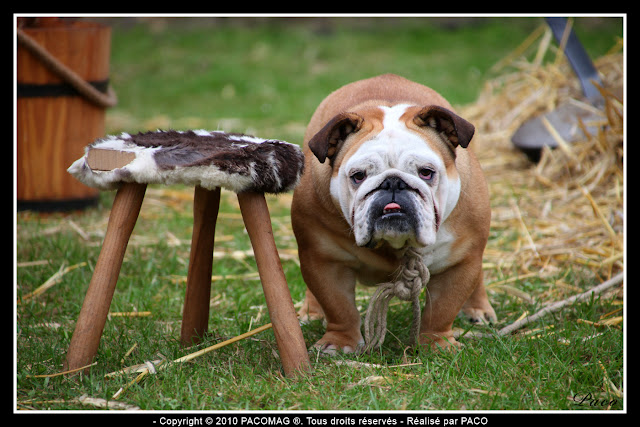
{"type": "Point", "coordinates": [195, 315]}
{"type": "Point", "coordinates": [291, 346]}
{"type": "Point", "coordinates": [95, 308]}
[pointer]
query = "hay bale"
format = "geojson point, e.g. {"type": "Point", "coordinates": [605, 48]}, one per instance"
{"type": "Point", "coordinates": [566, 211]}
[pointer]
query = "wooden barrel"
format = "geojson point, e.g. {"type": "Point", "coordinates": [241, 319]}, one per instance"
{"type": "Point", "coordinates": [54, 121]}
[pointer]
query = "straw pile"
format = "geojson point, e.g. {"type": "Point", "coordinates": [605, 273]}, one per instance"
{"type": "Point", "coordinates": [564, 214]}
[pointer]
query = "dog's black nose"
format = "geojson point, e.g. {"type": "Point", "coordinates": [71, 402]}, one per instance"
{"type": "Point", "coordinates": [393, 183]}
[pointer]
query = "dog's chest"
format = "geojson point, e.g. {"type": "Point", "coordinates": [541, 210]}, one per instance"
{"type": "Point", "coordinates": [377, 268]}
{"type": "Point", "coordinates": [439, 256]}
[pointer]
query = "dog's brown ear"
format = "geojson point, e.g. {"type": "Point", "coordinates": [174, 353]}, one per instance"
{"type": "Point", "coordinates": [327, 142]}
{"type": "Point", "coordinates": [454, 128]}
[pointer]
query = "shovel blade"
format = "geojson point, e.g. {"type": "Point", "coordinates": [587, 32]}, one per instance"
{"type": "Point", "coordinates": [533, 135]}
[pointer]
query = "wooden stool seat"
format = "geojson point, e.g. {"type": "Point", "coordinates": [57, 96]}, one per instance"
{"type": "Point", "coordinates": [209, 161]}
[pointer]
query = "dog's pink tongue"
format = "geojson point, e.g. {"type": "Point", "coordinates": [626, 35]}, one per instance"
{"type": "Point", "coordinates": [392, 207]}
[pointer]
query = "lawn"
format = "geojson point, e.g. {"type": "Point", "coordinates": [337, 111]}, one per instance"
{"type": "Point", "coordinates": [265, 77]}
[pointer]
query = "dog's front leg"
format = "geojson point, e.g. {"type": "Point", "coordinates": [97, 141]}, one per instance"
{"type": "Point", "coordinates": [446, 294]}
{"type": "Point", "coordinates": [331, 291]}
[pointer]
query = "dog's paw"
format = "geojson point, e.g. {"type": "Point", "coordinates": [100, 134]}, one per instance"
{"type": "Point", "coordinates": [484, 314]}
{"type": "Point", "coordinates": [306, 317]}
{"type": "Point", "coordinates": [439, 341]}
{"type": "Point", "coordinates": [332, 342]}
{"type": "Point", "coordinates": [310, 312]}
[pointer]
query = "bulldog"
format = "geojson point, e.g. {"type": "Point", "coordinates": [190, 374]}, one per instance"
{"type": "Point", "coordinates": [387, 166]}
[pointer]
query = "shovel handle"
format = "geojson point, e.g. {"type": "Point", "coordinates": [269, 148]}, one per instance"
{"type": "Point", "coordinates": [578, 58]}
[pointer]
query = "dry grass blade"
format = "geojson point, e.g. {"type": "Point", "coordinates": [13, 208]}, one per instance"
{"type": "Point", "coordinates": [128, 353]}
{"type": "Point", "coordinates": [608, 322]}
{"type": "Point", "coordinates": [130, 314]}
{"type": "Point", "coordinates": [108, 404]}
{"type": "Point", "coordinates": [32, 263]}
{"type": "Point", "coordinates": [52, 281]}
{"type": "Point", "coordinates": [82, 368]}
{"type": "Point", "coordinates": [358, 365]}
{"type": "Point", "coordinates": [524, 228]}
{"type": "Point", "coordinates": [598, 212]}
{"type": "Point", "coordinates": [608, 384]}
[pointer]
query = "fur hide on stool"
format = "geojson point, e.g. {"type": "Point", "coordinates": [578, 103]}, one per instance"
{"type": "Point", "coordinates": [235, 162]}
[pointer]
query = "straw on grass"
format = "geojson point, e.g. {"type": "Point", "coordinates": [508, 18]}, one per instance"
{"type": "Point", "coordinates": [57, 374]}
{"type": "Point", "coordinates": [552, 308]}
{"type": "Point", "coordinates": [51, 281]}
{"type": "Point", "coordinates": [164, 364]}
{"type": "Point", "coordinates": [129, 314]}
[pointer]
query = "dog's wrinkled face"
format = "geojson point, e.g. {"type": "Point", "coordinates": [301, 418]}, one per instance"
{"type": "Point", "coordinates": [395, 187]}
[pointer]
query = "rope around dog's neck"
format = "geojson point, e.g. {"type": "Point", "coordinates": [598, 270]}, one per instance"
{"type": "Point", "coordinates": [412, 277]}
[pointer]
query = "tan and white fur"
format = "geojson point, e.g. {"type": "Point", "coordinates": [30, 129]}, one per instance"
{"type": "Point", "coordinates": [386, 167]}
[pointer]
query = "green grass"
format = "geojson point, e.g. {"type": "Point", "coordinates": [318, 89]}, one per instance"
{"type": "Point", "coordinates": [271, 77]}
{"type": "Point", "coordinates": [266, 79]}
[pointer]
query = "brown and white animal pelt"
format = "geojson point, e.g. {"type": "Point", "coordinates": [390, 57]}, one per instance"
{"type": "Point", "coordinates": [209, 159]}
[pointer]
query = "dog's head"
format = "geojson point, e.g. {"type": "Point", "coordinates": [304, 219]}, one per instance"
{"type": "Point", "coordinates": [393, 171]}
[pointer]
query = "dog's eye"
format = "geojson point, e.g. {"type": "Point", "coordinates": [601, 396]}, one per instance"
{"type": "Point", "coordinates": [426, 174]}
{"type": "Point", "coordinates": [358, 177]}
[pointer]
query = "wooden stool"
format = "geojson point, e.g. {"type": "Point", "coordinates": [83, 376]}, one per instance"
{"type": "Point", "coordinates": [246, 165]}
